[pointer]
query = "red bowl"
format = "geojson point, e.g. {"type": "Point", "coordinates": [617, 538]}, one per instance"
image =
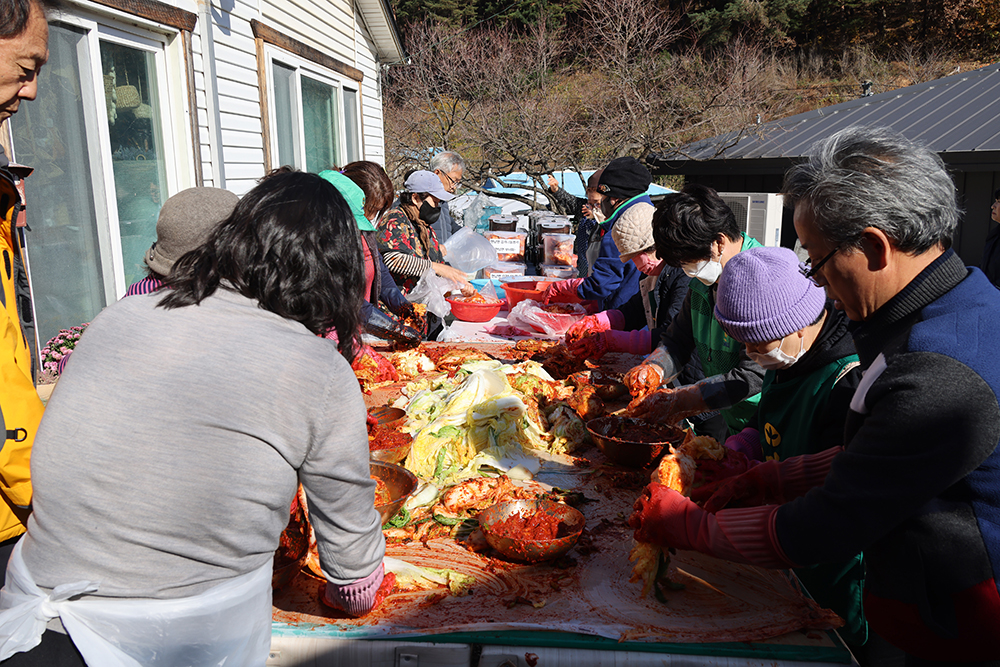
{"type": "Point", "coordinates": [474, 312]}
{"type": "Point", "coordinates": [519, 291]}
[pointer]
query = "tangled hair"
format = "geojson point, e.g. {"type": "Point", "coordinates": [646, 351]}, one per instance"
{"type": "Point", "coordinates": [446, 161]}
{"type": "Point", "coordinates": [14, 14]}
{"type": "Point", "coordinates": [872, 177]}
{"type": "Point", "coordinates": [375, 183]}
{"type": "Point", "coordinates": [292, 245]}
{"type": "Point", "coordinates": [686, 223]}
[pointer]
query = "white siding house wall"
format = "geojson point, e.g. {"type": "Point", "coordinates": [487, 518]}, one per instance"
{"type": "Point", "coordinates": [372, 126]}
{"type": "Point", "coordinates": [204, 148]}
{"type": "Point", "coordinates": [237, 94]}
{"type": "Point", "coordinates": [326, 25]}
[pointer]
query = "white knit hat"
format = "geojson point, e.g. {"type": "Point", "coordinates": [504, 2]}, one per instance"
{"type": "Point", "coordinates": [633, 231]}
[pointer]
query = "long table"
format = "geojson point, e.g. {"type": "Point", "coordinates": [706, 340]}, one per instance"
{"type": "Point", "coordinates": [306, 633]}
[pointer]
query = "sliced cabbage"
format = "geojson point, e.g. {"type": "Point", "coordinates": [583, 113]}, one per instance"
{"type": "Point", "coordinates": [420, 578]}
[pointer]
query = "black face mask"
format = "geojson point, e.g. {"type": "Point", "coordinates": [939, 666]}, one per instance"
{"type": "Point", "coordinates": [429, 214]}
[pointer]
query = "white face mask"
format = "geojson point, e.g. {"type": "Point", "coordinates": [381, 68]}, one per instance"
{"type": "Point", "coordinates": [776, 359]}
{"type": "Point", "coordinates": [597, 214]}
{"type": "Point", "coordinates": [707, 270]}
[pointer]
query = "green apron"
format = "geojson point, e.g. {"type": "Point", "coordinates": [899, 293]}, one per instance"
{"type": "Point", "coordinates": [786, 417]}
{"type": "Point", "coordinates": [719, 352]}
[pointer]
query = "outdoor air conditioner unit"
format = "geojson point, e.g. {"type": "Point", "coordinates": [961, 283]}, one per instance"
{"type": "Point", "coordinates": [758, 214]}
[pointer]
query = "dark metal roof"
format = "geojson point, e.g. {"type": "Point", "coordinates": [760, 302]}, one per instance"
{"type": "Point", "coordinates": [957, 114]}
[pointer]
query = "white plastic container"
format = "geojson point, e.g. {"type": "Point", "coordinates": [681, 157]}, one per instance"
{"type": "Point", "coordinates": [558, 271]}
{"type": "Point", "coordinates": [505, 270]}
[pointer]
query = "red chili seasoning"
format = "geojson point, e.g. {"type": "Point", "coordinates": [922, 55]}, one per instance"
{"type": "Point", "coordinates": [382, 438]}
{"type": "Point", "coordinates": [536, 526]}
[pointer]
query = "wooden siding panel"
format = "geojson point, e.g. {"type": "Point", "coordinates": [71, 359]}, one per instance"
{"type": "Point", "coordinates": [240, 186]}
{"type": "Point", "coordinates": [327, 26]}
{"type": "Point", "coordinates": [241, 140]}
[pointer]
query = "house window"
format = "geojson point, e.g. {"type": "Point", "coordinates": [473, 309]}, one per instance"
{"type": "Point", "coordinates": [96, 138]}
{"type": "Point", "coordinates": [315, 117]}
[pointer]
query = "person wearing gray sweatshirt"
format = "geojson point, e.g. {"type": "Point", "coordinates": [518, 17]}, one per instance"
{"type": "Point", "coordinates": [174, 443]}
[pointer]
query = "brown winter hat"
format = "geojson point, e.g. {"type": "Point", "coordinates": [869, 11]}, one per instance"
{"type": "Point", "coordinates": [633, 231]}
{"type": "Point", "coordinates": [184, 223]}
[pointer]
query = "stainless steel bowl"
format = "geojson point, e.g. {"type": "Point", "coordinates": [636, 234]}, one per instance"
{"type": "Point", "coordinates": [400, 482]}
{"type": "Point", "coordinates": [525, 550]}
{"type": "Point", "coordinates": [606, 433]}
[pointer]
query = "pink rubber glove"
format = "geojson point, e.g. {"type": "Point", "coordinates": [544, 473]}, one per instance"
{"type": "Point", "coordinates": [595, 345]}
{"type": "Point", "coordinates": [666, 518]}
{"type": "Point", "coordinates": [748, 442]}
{"type": "Point", "coordinates": [357, 598]}
{"type": "Point", "coordinates": [564, 291]}
{"type": "Point", "coordinates": [774, 482]}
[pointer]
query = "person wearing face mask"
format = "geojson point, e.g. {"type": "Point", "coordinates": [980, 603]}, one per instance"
{"type": "Point", "coordinates": [636, 325]}
{"type": "Point", "coordinates": [588, 214]}
{"type": "Point", "coordinates": [622, 186]}
{"type": "Point", "coordinates": [696, 231]}
{"type": "Point", "coordinates": [790, 328]}
{"type": "Point", "coordinates": [407, 239]}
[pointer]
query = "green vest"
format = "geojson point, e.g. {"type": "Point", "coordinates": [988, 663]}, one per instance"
{"type": "Point", "coordinates": [785, 416]}
{"type": "Point", "coordinates": [787, 409]}
{"type": "Point", "coordinates": [718, 352]}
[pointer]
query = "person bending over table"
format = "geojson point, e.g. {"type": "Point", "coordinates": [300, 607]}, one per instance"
{"type": "Point", "coordinates": [916, 486]}
{"type": "Point", "coordinates": [696, 231]}
{"type": "Point", "coordinates": [632, 327]}
{"type": "Point", "coordinates": [172, 449]}
{"type": "Point", "coordinates": [623, 185]}
{"type": "Point", "coordinates": [811, 369]}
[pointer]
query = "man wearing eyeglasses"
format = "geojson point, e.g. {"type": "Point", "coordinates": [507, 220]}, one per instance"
{"type": "Point", "coordinates": [991, 250]}
{"type": "Point", "coordinates": [449, 167]}
{"type": "Point", "coordinates": [916, 486]}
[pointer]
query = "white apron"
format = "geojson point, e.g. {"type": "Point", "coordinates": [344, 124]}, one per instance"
{"type": "Point", "coordinates": [229, 624]}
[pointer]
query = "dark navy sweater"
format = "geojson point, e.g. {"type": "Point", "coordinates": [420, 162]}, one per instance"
{"type": "Point", "coordinates": [918, 485]}
{"type": "Point", "coordinates": [612, 282]}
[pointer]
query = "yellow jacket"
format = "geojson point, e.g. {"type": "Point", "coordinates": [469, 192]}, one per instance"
{"type": "Point", "coordinates": [20, 407]}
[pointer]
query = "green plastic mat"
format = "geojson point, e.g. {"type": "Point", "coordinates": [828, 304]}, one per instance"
{"type": "Point", "coordinates": [837, 653]}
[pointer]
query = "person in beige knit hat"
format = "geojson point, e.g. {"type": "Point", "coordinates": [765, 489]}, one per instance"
{"type": "Point", "coordinates": [184, 223]}
{"type": "Point", "coordinates": [634, 326]}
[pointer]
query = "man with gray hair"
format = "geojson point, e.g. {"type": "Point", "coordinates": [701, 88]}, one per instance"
{"type": "Point", "coordinates": [449, 167]}
{"type": "Point", "coordinates": [916, 486]}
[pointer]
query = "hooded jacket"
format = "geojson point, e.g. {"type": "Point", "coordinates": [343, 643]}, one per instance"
{"type": "Point", "coordinates": [20, 407]}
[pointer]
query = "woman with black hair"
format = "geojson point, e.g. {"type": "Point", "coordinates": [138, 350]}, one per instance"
{"type": "Point", "coordinates": [695, 230]}
{"type": "Point", "coordinates": [167, 459]}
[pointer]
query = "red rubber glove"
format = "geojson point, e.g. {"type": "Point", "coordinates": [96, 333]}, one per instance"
{"type": "Point", "coordinates": [774, 482]}
{"type": "Point", "coordinates": [564, 291]}
{"type": "Point", "coordinates": [666, 518]}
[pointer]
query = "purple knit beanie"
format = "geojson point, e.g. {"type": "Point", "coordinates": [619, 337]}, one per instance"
{"type": "Point", "coordinates": [763, 297]}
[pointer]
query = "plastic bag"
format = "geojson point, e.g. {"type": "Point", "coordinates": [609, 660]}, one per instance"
{"type": "Point", "coordinates": [468, 251]}
{"type": "Point", "coordinates": [553, 319]}
{"type": "Point", "coordinates": [474, 211]}
{"type": "Point", "coordinates": [430, 290]}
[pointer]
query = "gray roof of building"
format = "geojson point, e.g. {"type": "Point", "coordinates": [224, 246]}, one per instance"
{"type": "Point", "coordinates": [955, 114]}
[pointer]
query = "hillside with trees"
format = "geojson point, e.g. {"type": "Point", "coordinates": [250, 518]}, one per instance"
{"type": "Point", "coordinates": [540, 86]}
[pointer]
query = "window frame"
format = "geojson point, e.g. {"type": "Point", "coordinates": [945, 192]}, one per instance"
{"type": "Point", "coordinates": [110, 25]}
{"type": "Point", "coordinates": [304, 67]}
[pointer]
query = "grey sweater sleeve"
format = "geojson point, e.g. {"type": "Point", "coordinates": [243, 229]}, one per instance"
{"type": "Point", "coordinates": [337, 480]}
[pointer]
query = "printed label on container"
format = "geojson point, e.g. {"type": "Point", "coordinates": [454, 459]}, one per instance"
{"type": "Point", "coordinates": [507, 246]}
{"type": "Point", "coordinates": [506, 276]}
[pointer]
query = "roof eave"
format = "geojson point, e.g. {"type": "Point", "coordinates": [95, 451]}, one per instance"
{"type": "Point", "coordinates": [381, 23]}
